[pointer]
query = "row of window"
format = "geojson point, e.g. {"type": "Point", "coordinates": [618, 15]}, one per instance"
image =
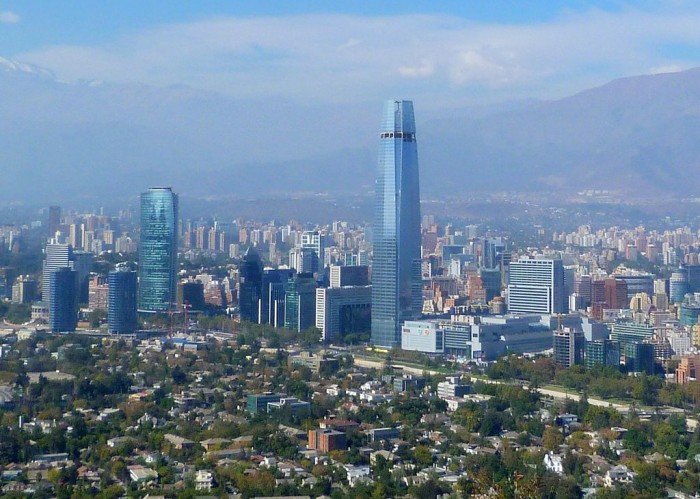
{"type": "Point", "coordinates": [406, 136]}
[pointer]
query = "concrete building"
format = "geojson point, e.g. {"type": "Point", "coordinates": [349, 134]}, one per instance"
{"type": "Point", "coordinates": [569, 346]}
{"type": "Point", "coordinates": [340, 311]}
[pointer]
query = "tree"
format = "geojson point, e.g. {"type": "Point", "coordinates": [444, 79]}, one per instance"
{"type": "Point", "coordinates": [178, 375]}
{"type": "Point", "coordinates": [552, 438]}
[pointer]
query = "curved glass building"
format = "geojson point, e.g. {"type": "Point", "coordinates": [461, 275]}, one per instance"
{"type": "Point", "coordinates": [396, 272]}
{"type": "Point", "coordinates": [158, 250]}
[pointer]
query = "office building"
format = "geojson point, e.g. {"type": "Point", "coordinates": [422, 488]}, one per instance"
{"type": "Point", "coordinates": [536, 286]}
{"type": "Point", "coordinates": [123, 294]}
{"type": "Point", "coordinates": [250, 287]}
{"type": "Point", "coordinates": [396, 268]}
{"type": "Point", "coordinates": [422, 336]}
{"type": "Point", "coordinates": [690, 310]}
{"type": "Point", "coordinates": [326, 440]}
{"type": "Point", "coordinates": [300, 302]}
{"type": "Point", "coordinates": [258, 402]}
{"type": "Point", "coordinates": [478, 338]}
{"type": "Point", "coordinates": [569, 346]}
{"type": "Point", "coordinates": [63, 300]}
{"type": "Point", "coordinates": [452, 387]}
{"type": "Point", "coordinates": [190, 293]}
{"type": "Point", "coordinates": [639, 357]}
{"type": "Point", "coordinates": [24, 290]}
{"type": "Point", "coordinates": [56, 256]}
{"type": "Point", "coordinates": [312, 242]}
{"type": "Point", "coordinates": [272, 296]}
{"type": "Point", "coordinates": [54, 222]}
{"type": "Point", "coordinates": [355, 275]}
{"type": "Point", "coordinates": [158, 250]}
{"type": "Point", "coordinates": [340, 311]}
{"type": "Point", "coordinates": [82, 264]}
{"type": "Point", "coordinates": [491, 282]}
{"type": "Point", "coordinates": [602, 353]}
{"type": "Point", "coordinates": [678, 286]}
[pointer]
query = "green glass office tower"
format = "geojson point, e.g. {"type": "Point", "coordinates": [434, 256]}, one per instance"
{"type": "Point", "coordinates": [396, 273]}
{"type": "Point", "coordinates": [158, 250]}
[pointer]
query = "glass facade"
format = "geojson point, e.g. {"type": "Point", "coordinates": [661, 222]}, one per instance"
{"type": "Point", "coordinates": [396, 267]}
{"type": "Point", "coordinates": [123, 287]}
{"type": "Point", "coordinates": [158, 250]}
{"type": "Point", "coordinates": [63, 305]}
{"type": "Point", "coordinates": [300, 302]}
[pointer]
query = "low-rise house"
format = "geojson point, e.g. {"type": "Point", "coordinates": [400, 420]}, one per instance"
{"type": "Point", "coordinates": [356, 474]}
{"type": "Point", "coordinates": [204, 480]}
{"type": "Point", "coordinates": [178, 442]}
{"type": "Point", "coordinates": [141, 474]}
{"type": "Point", "coordinates": [554, 462]}
{"type": "Point", "coordinates": [214, 443]}
{"type": "Point", "coordinates": [619, 475]}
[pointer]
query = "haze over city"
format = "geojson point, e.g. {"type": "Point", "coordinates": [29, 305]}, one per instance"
{"type": "Point", "coordinates": [259, 96]}
{"type": "Point", "coordinates": [323, 250]}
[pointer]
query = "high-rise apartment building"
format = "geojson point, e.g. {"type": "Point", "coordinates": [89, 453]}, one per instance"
{"type": "Point", "coordinates": [536, 286]}
{"type": "Point", "coordinates": [121, 317]}
{"type": "Point", "coordinates": [158, 250]}
{"type": "Point", "coordinates": [396, 267]}
{"type": "Point", "coordinates": [569, 346]}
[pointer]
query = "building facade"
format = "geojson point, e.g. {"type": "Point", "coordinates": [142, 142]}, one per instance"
{"type": "Point", "coordinates": [340, 311]}
{"type": "Point", "coordinates": [536, 286]}
{"type": "Point", "coordinates": [63, 301]}
{"type": "Point", "coordinates": [158, 250]}
{"type": "Point", "coordinates": [396, 267]}
{"type": "Point", "coordinates": [122, 302]}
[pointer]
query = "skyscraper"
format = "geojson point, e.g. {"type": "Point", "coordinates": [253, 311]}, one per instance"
{"type": "Point", "coordinates": [158, 250]}
{"type": "Point", "coordinates": [536, 286]}
{"type": "Point", "coordinates": [122, 301]}
{"type": "Point", "coordinates": [63, 302]}
{"type": "Point", "coordinates": [57, 256]}
{"type": "Point", "coordinates": [396, 268]}
{"type": "Point", "coordinates": [250, 287]}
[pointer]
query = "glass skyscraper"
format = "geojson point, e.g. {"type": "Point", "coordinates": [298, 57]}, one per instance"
{"type": "Point", "coordinates": [63, 303]}
{"type": "Point", "coordinates": [158, 250]}
{"type": "Point", "coordinates": [396, 267]}
{"type": "Point", "coordinates": [122, 301]}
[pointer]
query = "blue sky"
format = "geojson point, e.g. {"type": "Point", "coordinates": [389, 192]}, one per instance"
{"type": "Point", "coordinates": [451, 52]}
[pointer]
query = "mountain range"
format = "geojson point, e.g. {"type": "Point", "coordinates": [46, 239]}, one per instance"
{"type": "Point", "coordinates": [61, 141]}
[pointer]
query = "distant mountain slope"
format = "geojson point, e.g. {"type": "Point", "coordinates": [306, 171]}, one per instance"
{"type": "Point", "coordinates": [60, 140]}
{"type": "Point", "coordinates": [638, 133]}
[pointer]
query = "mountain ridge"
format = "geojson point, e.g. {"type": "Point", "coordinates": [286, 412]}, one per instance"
{"type": "Point", "coordinates": [60, 140]}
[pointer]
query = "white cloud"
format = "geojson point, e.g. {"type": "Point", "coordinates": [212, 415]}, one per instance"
{"type": "Point", "coordinates": [8, 17]}
{"type": "Point", "coordinates": [348, 58]}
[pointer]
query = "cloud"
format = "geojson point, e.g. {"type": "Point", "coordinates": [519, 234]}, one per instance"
{"type": "Point", "coordinates": [333, 57]}
{"type": "Point", "coordinates": [8, 17]}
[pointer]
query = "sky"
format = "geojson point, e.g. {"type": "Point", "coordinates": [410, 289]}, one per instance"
{"type": "Point", "coordinates": [444, 53]}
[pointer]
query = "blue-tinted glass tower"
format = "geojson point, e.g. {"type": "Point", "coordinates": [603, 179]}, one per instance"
{"type": "Point", "coordinates": [396, 272]}
{"type": "Point", "coordinates": [63, 304]}
{"type": "Point", "coordinates": [250, 289]}
{"type": "Point", "coordinates": [158, 250]}
{"type": "Point", "coordinates": [121, 317]}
